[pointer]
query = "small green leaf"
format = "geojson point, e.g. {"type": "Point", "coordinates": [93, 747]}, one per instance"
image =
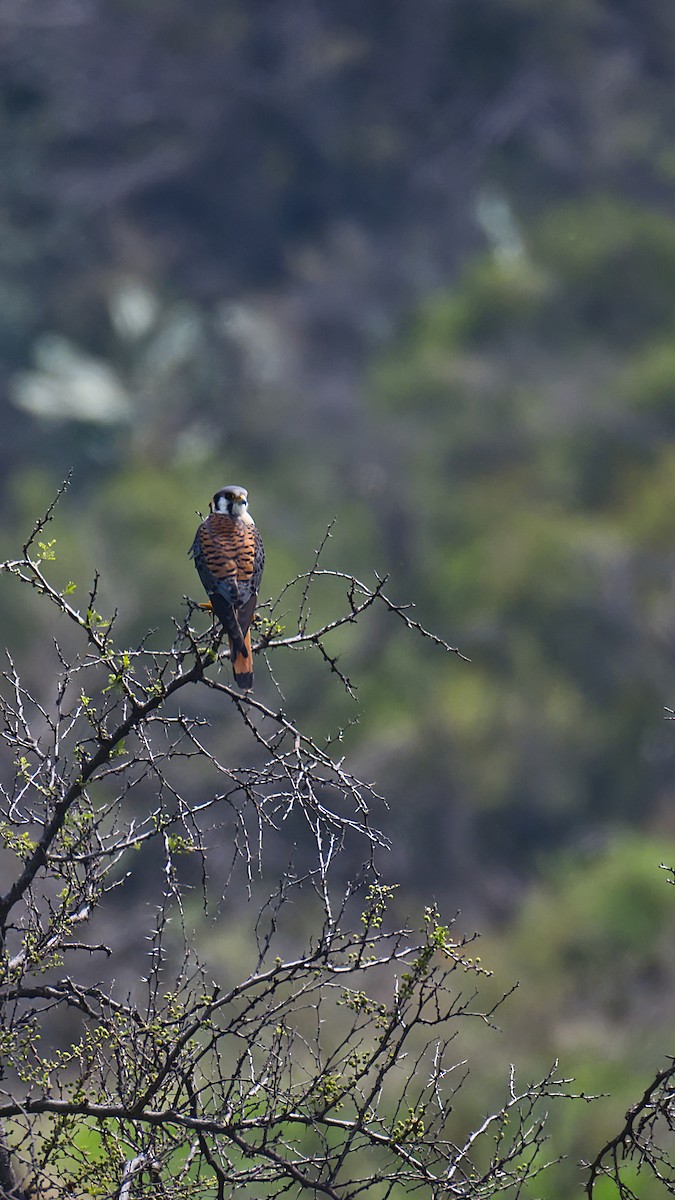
{"type": "Point", "coordinates": [95, 620]}
{"type": "Point", "coordinates": [47, 553]}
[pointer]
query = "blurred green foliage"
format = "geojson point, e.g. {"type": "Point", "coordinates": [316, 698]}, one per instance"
{"type": "Point", "coordinates": [542, 538]}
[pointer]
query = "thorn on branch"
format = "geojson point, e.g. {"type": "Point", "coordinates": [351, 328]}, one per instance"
{"type": "Point", "coordinates": [44, 520]}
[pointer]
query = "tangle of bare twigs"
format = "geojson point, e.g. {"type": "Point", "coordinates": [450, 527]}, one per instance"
{"type": "Point", "coordinates": [316, 1060]}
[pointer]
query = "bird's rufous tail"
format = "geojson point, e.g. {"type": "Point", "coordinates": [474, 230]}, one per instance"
{"type": "Point", "coordinates": [242, 662]}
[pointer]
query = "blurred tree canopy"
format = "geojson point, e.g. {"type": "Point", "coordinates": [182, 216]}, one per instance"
{"type": "Point", "coordinates": [430, 241]}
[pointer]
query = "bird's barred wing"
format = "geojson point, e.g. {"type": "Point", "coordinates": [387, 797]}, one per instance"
{"type": "Point", "coordinates": [247, 608]}
{"type": "Point", "coordinates": [225, 586]}
{"type": "Point", "coordinates": [227, 558]}
{"type": "Point", "coordinates": [258, 560]}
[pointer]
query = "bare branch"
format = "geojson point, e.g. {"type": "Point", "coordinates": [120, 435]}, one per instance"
{"type": "Point", "coordinates": [638, 1140]}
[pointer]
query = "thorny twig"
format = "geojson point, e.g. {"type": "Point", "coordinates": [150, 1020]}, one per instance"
{"type": "Point", "coordinates": [637, 1141]}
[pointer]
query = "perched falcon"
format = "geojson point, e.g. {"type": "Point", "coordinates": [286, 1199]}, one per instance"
{"type": "Point", "coordinates": [229, 557]}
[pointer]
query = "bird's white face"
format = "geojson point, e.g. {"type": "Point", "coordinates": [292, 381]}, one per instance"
{"type": "Point", "coordinates": [233, 502]}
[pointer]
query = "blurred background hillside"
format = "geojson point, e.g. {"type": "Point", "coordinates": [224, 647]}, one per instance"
{"type": "Point", "coordinates": [409, 264]}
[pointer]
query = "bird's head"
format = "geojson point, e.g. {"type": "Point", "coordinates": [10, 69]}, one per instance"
{"type": "Point", "coordinates": [231, 500]}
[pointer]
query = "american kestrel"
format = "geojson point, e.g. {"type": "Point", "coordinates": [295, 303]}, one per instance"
{"type": "Point", "coordinates": [229, 557]}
